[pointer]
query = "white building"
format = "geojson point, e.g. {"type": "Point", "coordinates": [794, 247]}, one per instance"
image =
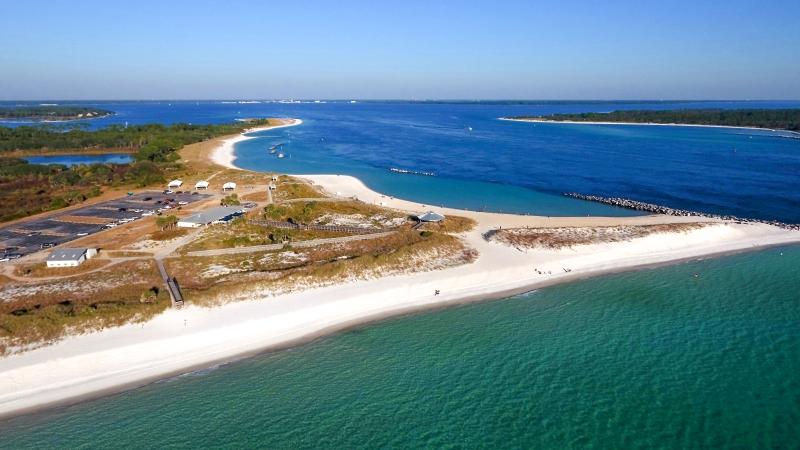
{"type": "Point", "coordinates": [229, 186]}
{"type": "Point", "coordinates": [201, 185]}
{"type": "Point", "coordinates": [274, 178]}
{"type": "Point", "coordinates": [220, 214]}
{"type": "Point", "coordinates": [70, 257]}
{"type": "Point", "coordinates": [175, 184]}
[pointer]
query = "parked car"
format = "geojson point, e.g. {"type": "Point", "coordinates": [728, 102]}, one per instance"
{"type": "Point", "coordinates": [183, 203]}
{"type": "Point", "coordinates": [48, 245]}
{"type": "Point", "coordinates": [147, 199]}
{"type": "Point", "coordinates": [82, 234]}
{"type": "Point", "coordinates": [13, 256]}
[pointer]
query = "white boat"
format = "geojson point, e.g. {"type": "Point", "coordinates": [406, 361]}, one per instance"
{"type": "Point", "coordinates": [281, 155]}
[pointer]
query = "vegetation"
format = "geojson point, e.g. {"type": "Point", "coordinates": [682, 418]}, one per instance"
{"type": "Point", "coordinates": [230, 200]}
{"type": "Point", "coordinates": [309, 211]}
{"type": "Point", "coordinates": [40, 312]}
{"type": "Point", "coordinates": [153, 142]}
{"type": "Point", "coordinates": [779, 119]}
{"type": "Point", "coordinates": [292, 188]}
{"type": "Point", "coordinates": [211, 280]}
{"type": "Point", "coordinates": [563, 237]}
{"type": "Point", "coordinates": [166, 222]}
{"type": "Point", "coordinates": [240, 233]}
{"type": "Point", "coordinates": [27, 189]}
{"type": "Point", "coordinates": [51, 113]}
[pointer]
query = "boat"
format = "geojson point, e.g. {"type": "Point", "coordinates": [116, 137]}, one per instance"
{"type": "Point", "coordinates": [281, 155]}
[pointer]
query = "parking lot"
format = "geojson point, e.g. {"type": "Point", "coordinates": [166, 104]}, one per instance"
{"type": "Point", "coordinates": [22, 239]}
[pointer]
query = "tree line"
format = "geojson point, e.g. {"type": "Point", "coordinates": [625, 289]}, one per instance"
{"type": "Point", "coordinates": [779, 119]}
{"type": "Point", "coordinates": [152, 142]}
{"type": "Point", "coordinates": [54, 112]}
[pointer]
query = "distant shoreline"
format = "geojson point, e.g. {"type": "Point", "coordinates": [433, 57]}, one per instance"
{"type": "Point", "coordinates": [587, 122]}
{"type": "Point", "coordinates": [36, 121]}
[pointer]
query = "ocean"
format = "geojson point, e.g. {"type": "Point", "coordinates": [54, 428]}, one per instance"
{"type": "Point", "coordinates": [649, 359]}
{"type": "Point", "coordinates": [654, 358]}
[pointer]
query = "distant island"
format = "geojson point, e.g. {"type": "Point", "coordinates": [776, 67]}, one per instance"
{"type": "Point", "coordinates": [52, 113]}
{"type": "Point", "coordinates": [774, 119]}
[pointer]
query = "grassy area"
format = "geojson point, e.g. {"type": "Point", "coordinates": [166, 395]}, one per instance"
{"type": "Point", "coordinates": [339, 212]}
{"type": "Point", "coordinates": [168, 234]}
{"type": "Point", "coordinates": [240, 233]}
{"type": "Point", "coordinates": [36, 313]}
{"type": "Point", "coordinates": [452, 224]}
{"type": "Point", "coordinates": [289, 188]}
{"type": "Point", "coordinates": [557, 238]}
{"type": "Point", "coordinates": [212, 280]}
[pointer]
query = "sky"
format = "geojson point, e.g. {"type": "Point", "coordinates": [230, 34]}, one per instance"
{"type": "Point", "coordinates": [643, 49]}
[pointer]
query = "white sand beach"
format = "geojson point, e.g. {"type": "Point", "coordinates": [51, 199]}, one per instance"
{"type": "Point", "coordinates": [193, 337]}
{"type": "Point", "coordinates": [224, 154]}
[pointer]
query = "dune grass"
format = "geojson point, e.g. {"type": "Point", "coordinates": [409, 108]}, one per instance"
{"type": "Point", "coordinates": [33, 314]}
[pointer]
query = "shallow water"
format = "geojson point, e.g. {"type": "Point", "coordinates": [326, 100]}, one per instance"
{"type": "Point", "coordinates": [651, 359]}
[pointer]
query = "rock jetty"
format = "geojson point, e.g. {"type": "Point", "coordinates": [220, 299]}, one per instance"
{"type": "Point", "coordinates": [666, 210]}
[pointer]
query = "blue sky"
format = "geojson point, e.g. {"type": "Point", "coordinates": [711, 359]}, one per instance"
{"type": "Point", "coordinates": [733, 49]}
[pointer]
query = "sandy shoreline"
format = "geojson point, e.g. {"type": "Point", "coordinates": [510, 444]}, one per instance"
{"type": "Point", "coordinates": [224, 154]}
{"type": "Point", "coordinates": [694, 125]}
{"type": "Point", "coordinates": [178, 341]}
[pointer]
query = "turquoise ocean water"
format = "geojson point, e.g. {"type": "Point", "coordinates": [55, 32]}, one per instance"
{"type": "Point", "coordinates": [649, 359]}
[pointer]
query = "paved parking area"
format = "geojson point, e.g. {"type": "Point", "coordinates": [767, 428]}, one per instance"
{"type": "Point", "coordinates": [61, 227]}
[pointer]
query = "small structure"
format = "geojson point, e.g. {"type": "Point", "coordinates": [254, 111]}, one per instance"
{"type": "Point", "coordinates": [70, 257]}
{"type": "Point", "coordinates": [175, 184]}
{"type": "Point", "coordinates": [272, 187]}
{"type": "Point", "coordinates": [219, 214]}
{"type": "Point", "coordinates": [274, 178]}
{"type": "Point", "coordinates": [201, 185]}
{"type": "Point", "coordinates": [229, 186]}
{"type": "Point", "coordinates": [430, 216]}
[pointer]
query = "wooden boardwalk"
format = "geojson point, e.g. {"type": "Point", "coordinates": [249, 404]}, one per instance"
{"type": "Point", "coordinates": [336, 228]}
{"type": "Point", "coordinates": [175, 294]}
{"type": "Point", "coordinates": [298, 244]}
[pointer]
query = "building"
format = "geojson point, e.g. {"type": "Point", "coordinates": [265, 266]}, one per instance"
{"type": "Point", "coordinates": [274, 178]}
{"type": "Point", "coordinates": [175, 184]}
{"type": "Point", "coordinates": [219, 214]}
{"type": "Point", "coordinates": [229, 186]}
{"type": "Point", "coordinates": [430, 216]}
{"type": "Point", "coordinates": [70, 257]}
{"type": "Point", "coordinates": [201, 185]}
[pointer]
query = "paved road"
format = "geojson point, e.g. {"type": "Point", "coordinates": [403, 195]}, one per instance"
{"type": "Point", "coordinates": [298, 244]}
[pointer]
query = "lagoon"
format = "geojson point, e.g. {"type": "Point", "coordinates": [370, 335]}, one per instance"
{"type": "Point", "coordinates": [72, 160]}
